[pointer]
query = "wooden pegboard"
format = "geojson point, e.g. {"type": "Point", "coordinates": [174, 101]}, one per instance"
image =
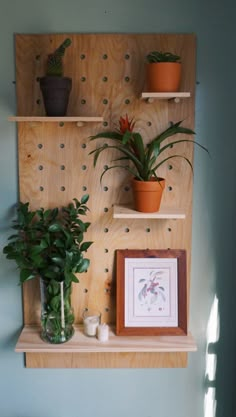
{"type": "Point", "coordinates": [108, 73]}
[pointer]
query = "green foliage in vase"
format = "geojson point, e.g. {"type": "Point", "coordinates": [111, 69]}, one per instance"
{"type": "Point", "coordinates": [57, 316]}
{"type": "Point", "coordinates": [55, 60]}
{"type": "Point", "coordinates": [158, 56]}
{"type": "Point", "coordinates": [140, 159]}
{"type": "Point", "coordinates": [50, 242]}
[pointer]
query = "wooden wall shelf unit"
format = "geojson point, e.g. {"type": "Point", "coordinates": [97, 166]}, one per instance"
{"type": "Point", "coordinates": [55, 167]}
{"type": "Point", "coordinates": [165, 96]}
{"type": "Point", "coordinates": [79, 120]}
{"type": "Point", "coordinates": [31, 342]}
{"type": "Point", "coordinates": [126, 212]}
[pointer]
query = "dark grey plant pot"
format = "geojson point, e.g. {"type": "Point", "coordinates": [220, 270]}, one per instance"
{"type": "Point", "coordinates": [56, 92]}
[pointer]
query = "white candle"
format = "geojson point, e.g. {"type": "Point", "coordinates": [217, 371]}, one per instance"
{"type": "Point", "coordinates": [103, 332]}
{"type": "Point", "coordinates": [90, 325]}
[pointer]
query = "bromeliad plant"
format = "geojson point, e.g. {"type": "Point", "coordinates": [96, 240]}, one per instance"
{"type": "Point", "coordinates": [49, 244]}
{"type": "Point", "coordinates": [145, 159]}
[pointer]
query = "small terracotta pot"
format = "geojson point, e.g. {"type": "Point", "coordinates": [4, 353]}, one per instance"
{"type": "Point", "coordinates": [163, 76]}
{"type": "Point", "coordinates": [148, 194]}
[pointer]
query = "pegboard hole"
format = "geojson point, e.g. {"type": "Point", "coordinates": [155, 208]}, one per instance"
{"type": "Point", "coordinates": [40, 145]}
{"type": "Point", "coordinates": [106, 270]}
{"type": "Point", "coordinates": [169, 229]}
{"type": "Point", "coordinates": [40, 167]}
{"type": "Point", "coordinates": [148, 230]}
{"type": "Point", "coordinates": [62, 188]}
{"type": "Point", "coordinates": [127, 56]}
{"type": "Point", "coordinates": [127, 79]}
{"type": "Point", "coordinates": [105, 101]}
{"type": "Point", "coordinates": [170, 167]}
{"type": "Point", "coordinates": [126, 230]}
{"type": "Point", "coordinates": [105, 167]}
{"type": "Point", "coordinates": [84, 188]}
{"type": "Point", "coordinates": [83, 79]}
{"type": "Point", "coordinates": [105, 188]}
{"type": "Point", "coordinates": [61, 124]}
{"type": "Point", "coordinates": [104, 79]}
{"type": "Point", "coordinates": [38, 101]}
{"type": "Point", "coordinates": [127, 101]}
{"type": "Point", "coordinates": [106, 250]}
{"type": "Point", "coordinates": [85, 290]}
{"type": "Point", "coordinates": [62, 167]}
{"type": "Point", "coordinates": [104, 56]}
{"type": "Point", "coordinates": [84, 167]}
{"type": "Point", "coordinates": [149, 123]}
{"type": "Point", "coordinates": [41, 188]}
{"type": "Point", "coordinates": [106, 309]}
{"type": "Point", "coordinates": [170, 188]}
{"type": "Point", "coordinates": [105, 124]}
{"type": "Point", "coordinates": [37, 57]}
{"type": "Point", "coordinates": [83, 101]}
{"type": "Point", "coordinates": [62, 145]}
{"type": "Point", "coordinates": [126, 188]}
{"type": "Point", "coordinates": [105, 209]}
{"type": "Point", "coordinates": [106, 230]}
{"type": "Point", "coordinates": [83, 146]}
{"type": "Point", "coordinates": [82, 56]}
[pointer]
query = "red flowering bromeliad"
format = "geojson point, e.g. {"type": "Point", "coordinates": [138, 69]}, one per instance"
{"type": "Point", "coordinates": [126, 124]}
{"type": "Point", "coordinates": [144, 158]}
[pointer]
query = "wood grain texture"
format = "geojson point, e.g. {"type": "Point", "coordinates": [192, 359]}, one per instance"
{"type": "Point", "coordinates": [107, 360]}
{"type": "Point", "coordinates": [108, 73]}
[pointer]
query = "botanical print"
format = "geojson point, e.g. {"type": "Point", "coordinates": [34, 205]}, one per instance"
{"type": "Point", "coordinates": [151, 291]}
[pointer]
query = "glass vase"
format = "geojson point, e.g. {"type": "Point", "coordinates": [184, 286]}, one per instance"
{"type": "Point", "coordinates": [57, 315]}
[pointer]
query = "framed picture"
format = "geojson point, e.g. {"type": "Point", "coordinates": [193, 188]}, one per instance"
{"type": "Point", "coordinates": [151, 292]}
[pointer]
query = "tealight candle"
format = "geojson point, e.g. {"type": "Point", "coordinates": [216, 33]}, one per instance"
{"type": "Point", "coordinates": [103, 332]}
{"type": "Point", "coordinates": [91, 321]}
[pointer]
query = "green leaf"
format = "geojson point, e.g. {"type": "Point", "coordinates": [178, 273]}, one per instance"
{"type": "Point", "coordinates": [26, 275]}
{"type": "Point", "coordinates": [55, 227]}
{"type": "Point", "coordinates": [83, 266]}
{"type": "Point", "coordinates": [85, 199]}
{"type": "Point", "coordinates": [85, 245]}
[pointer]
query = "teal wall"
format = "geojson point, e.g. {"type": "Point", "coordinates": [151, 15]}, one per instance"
{"type": "Point", "coordinates": [153, 392]}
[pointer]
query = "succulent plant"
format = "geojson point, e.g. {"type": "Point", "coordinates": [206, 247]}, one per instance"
{"type": "Point", "coordinates": [158, 56]}
{"type": "Point", "coordinates": [55, 62]}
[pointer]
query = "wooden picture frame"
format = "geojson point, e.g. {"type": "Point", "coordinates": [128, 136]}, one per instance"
{"type": "Point", "coordinates": [151, 297]}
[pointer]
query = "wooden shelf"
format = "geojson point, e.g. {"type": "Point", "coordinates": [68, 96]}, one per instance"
{"type": "Point", "coordinates": [30, 341]}
{"type": "Point", "coordinates": [80, 120]}
{"type": "Point", "coordinates": [126, 212]}
{"type": "Point", "coordinates": [165, 96]}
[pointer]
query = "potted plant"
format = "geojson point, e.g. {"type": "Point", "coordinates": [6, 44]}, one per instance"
{"type": "Point", "coordinates": [163, 72]}
{"type": "Point", "coordinates": [48, 245]}
{"type": "Point", "coordinates": [54, 86]}
{"type": "Point", "coordinates": [142, 160]}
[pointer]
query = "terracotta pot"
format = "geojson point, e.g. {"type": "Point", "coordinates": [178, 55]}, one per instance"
{"type": "Point", "coordinates": [163, 76]}
{"type": "Point", "coordinates": [148, 194]}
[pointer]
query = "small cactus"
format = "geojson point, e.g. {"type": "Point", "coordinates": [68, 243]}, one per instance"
{"type": "Point", "coordinates": [54, 61]}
